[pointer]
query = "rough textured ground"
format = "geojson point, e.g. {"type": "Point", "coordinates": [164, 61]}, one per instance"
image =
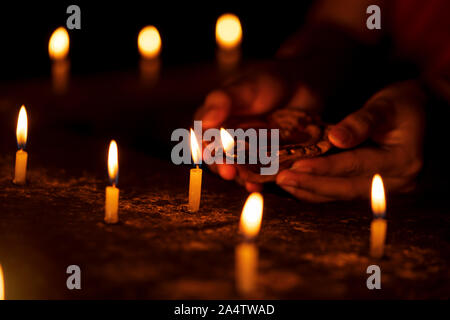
{"type": "Point", "coordinates": [159, 250]}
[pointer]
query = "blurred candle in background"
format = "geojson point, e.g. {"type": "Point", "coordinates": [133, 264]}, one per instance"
{"type": "Point", "coordinates": [228, 38]}
{"type": "Point", "coordinates": [2, 284]}
{"type": "Point", "coordinates": [378, 226]}
{"type": "Point", "coordinates": [20, 171]}
{"type": "Point", "coordinates": [149, 45]}
{"type": "Point", "coordinates": [247, 251]}
{"type": "Point", "coordinates": [195, 178]}
{"type": "Point", "coordinates": [58, 49]}
{"type": "Point", "coordinates": [112, 192]}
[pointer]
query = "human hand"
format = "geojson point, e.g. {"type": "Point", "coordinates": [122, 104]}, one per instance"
{"type": "Point", "coordinates": [253, 94]}
{"type": "Point", "coordinates": [394, 121]}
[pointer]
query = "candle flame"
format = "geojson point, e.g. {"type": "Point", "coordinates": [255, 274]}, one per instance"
{"type": "Point", "coordinates": [378, 196]}
{"type": "Point", "coordinates": [227, 139]}
{"type": "Point", "coordinates": [149, 42]}
{"type": "Point", "coordinates": [195, 148]}
{"type": "Point", "coordinates": [58, 46]}
{"type": "Point", "coordinates": [228, 31]}
{"type": "Point", "coordinates": [22, 128]}
{"type": "Point", "coordinates": [2, 284]}
{"type": "Point", "coordinates": [252, 215]}
{"type": "Point", "coordinates": [113, 163]}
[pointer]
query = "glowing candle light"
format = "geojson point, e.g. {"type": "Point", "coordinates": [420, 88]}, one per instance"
{"type": "Point", "coordinates": [112, 192]}
{"type": "Point", "coordinates": [149, 45]}
{"type": "Point", "coordinates": [228, 31]}
{"type": "Point", "coordinates": [58, 49]}
{"type": "Point", "coordinates": [195, 180]}
{"type": "Point", "coordinates": [20, 172]}
{"type": "Point", "coordinates": [228, 38]}
{"type": "Point", "coordinates": [227, 140]}
{"type": "Point", "coordinates": [378, 226]}
{"type": "Point", "coordinates": [2, 284]}
{"type": "Point", "coordinates": [247, 252]}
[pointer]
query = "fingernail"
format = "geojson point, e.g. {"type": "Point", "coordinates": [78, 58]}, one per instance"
{"type": "Point", "coordinates": [341, 134]}
{"type": "Point", "coordinates": [301, 166]}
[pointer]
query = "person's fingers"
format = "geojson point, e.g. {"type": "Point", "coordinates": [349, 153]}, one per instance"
{"type": "Point", "coordinates": [253, 187]}
{"type": "Point", "coordinates": [227, 171]}
{"type": "Point", "coordinates": [215, 109]}
{"type": "Point", "coordinates": [333, 187]}
{"type": "Point", "coordinates": [303, 99]}
{"type": "Point", "coordinates": [213, 168]}
{"type": "Point", "coordinates": [256, 94]}
{"type": "Point", "coordinates": [305, 195]}
{"type": "Point", "coordinates": [357, 127]}
{"type": "Point", "coordinates": [361, 161]}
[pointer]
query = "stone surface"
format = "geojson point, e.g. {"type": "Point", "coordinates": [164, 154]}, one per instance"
{"type": "Point", "coordinates": [161, 251]}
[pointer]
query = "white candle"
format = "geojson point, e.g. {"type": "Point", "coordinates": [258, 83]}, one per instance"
{"type": "Point", "coordinates": [2, 284]}
{"type": "Point", "coordinates": [246, 267]}
{"type": "Point", "coordinates": [58, 49]}
{"type": "Point", "coordinates": [228, 38]}
{"type": "Point", "coordinates": [195, 189]}
{"type": "Point", "coordinates": [378, 226]}
{"type": "Point", "coordinates": [149, 45]}
{"type": "Point", "coordinates": [195, 178]}
{"type": "Point", "coordinates": [112, 192]}
{"type": "Point", "coordinates": [247, 252]}
{"type": "Point", "coordinates": [20, 171]}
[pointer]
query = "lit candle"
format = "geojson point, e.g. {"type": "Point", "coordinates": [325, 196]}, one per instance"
{"type": "Point", "coordinates": [58, 49]}
{"type": "Point", "coordinates": [2, 284]}
{"type": "Point", "coordinates": [379, 225]}
{"type": "Point", "coordinates": [20, 172]}
{"type": "Point", "coordinates": [227, 141]}
{"type": "Point", "coordinates": [195, 180]}
{"type": "Point", "coordinates": [228, 38]}
{"type": "Point", "coordinates": [247, 252]}
{"type": "Point", "coordinates": [149, 45]}
{"type": "Point", "coordinates": [112, 192]}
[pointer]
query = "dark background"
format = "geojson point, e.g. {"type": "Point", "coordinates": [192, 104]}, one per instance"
{"type": "Point", "coordinates": [56, 220]}
{"type": "Point", "coordinates": [107, 43]}
{"type": "Point", "coordinates": [107, 40]}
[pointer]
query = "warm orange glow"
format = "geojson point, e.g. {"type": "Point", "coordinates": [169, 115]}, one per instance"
{"type": "Point", "coordinates": [58, 46]}
{"type": "Point", "coordinates": [378, 196]}
{"type": "Point", "coordinates": [227, 139]}
{"type": "Point", "coordinates": [22, 128]}
{"type": "Point", "coordinates": [113, 162]}
{"type": "Point", "coordinates": [228, 31]}
{"type": "Point", "coordinates": [2, 284]}
{"type": "Point", "coordinates": [252, 215]}
{"type": "Point", "coordinates": [195, 148]}
{"type": "Point", "coordinates": [149, 42]}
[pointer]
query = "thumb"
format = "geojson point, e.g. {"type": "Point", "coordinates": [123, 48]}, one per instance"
{"type": "Point", "coordinates": [354, 129]}
{"type": "Point", "coordinates": [215, 109]}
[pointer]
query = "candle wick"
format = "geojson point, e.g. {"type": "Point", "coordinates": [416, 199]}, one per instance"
{"type": "Point", "coordinates": [197, 166]}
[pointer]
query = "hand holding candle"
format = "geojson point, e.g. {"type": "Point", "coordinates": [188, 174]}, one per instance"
{"type": "Point", "coordinates": [195, 180]}
{"type": "Point", "coordinates": [247, 252]}
{"type": "Point", "coordinates": [20, 172]}
{"type": "Point", "coordinates": [112, 192]}
{"type": "Point", "coordinates": [378, 226]}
